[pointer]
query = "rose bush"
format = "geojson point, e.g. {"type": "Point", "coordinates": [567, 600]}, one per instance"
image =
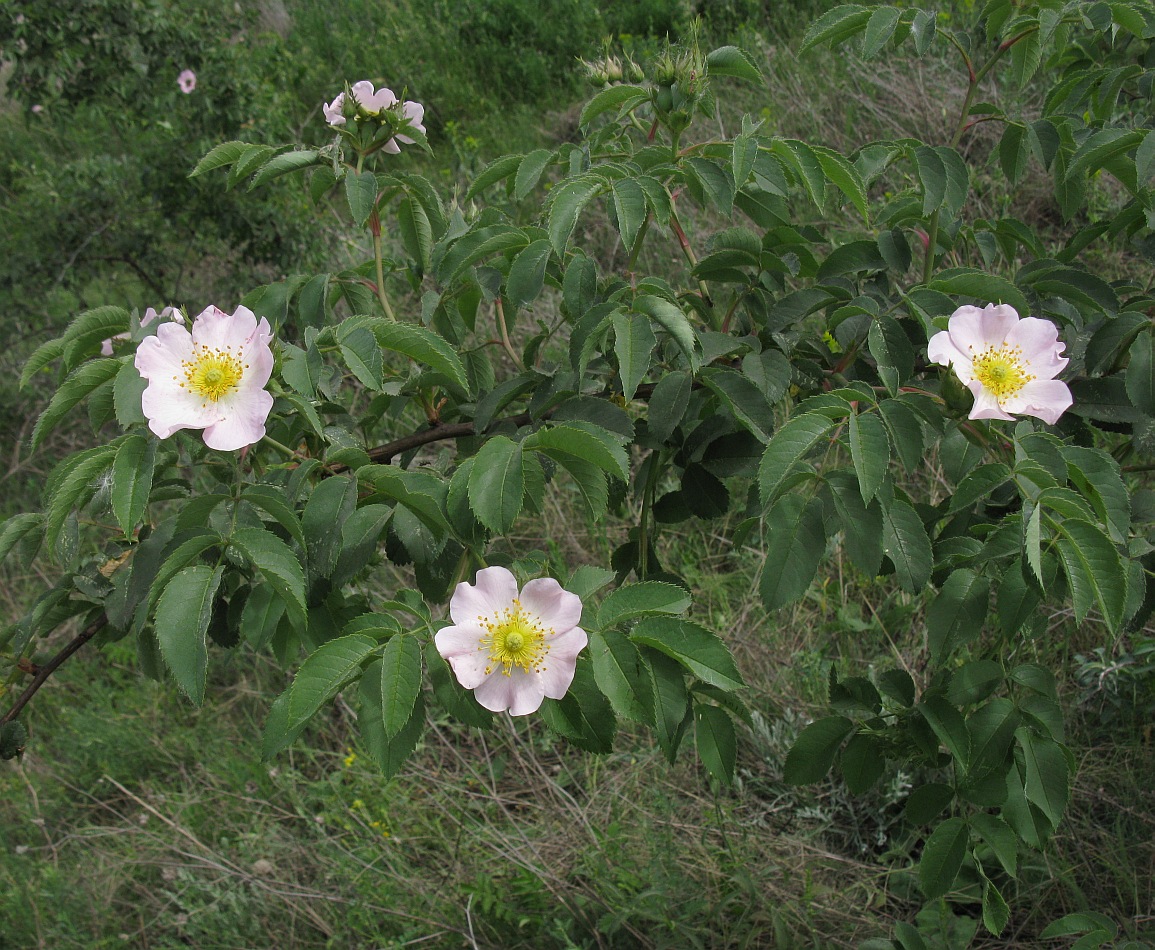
{"type": "Point", "coordinates": [786, 381]}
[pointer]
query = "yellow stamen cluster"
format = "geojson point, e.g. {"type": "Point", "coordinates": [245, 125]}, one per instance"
{"type": "Point", "coordinates": [213, 372]}
{"type": "Point", "coordinates": [513, 638]}
{"type": "Point", "coordinates": [1002, 371]}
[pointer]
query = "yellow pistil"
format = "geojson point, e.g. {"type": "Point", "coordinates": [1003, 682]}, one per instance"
{"type": "Point", "coordinates": [212, 372]}
{"type": "Point", "coordinates": [1002, 371]}
{"type": "Point", "coordinates": [514, 639]}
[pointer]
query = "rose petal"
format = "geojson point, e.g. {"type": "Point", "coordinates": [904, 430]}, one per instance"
{"type": "Point", "coordinates": [1039, 341]}
{"type": "Point", "coordinates": [557, 677]}
{"type": "Point", "coordinates": [942, 350]}
{"type": "Point", "coordinates": [491, 595]}
{"type": "Point", "coordinates": [1046, 399]}
{"type": "Point", "coordinates": [243, 422]}
{"type": "Point", "coordinates": [519, 693]}
{"type": "Point", "coordinates": [986, 405]}
{"type": "Point", "coordinates": [470, 669]}
{"type": "Point", "coordinates": [554, 606]}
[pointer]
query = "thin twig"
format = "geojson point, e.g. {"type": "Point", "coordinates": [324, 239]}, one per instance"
{"type": "Point", "coordinates": [50, 667]}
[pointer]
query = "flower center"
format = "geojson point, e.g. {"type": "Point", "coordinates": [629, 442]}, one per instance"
{"type": "Point", "coordinates": [1002, 371]}
{"type": "Point", "coordinates": [212, 373]}
{"type": "Point", "coordinates": [514, 639]}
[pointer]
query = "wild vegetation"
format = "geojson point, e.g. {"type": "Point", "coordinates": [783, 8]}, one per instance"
{"type": "Point", "coordinates": [684, 312]}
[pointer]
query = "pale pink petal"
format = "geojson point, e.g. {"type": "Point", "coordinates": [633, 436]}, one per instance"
{"type": "Point", "coordinates": [160, 357]}
{"type": "Point", "coordinates": [334, 111]}
{"type": "Point", "coordinates": [568, 645]}
{"type": "Point", "coordinates": [1045, 398]}
{"type": "Point", "coordinates": [373, 102]}
{"type": "Point", "coordinates": [217, 330]}
{"type": "Point", "coordinates": [497, 692]}
{"type": "Point", "coordinates": [459, 639]}
{"type": "Point", "coordinates": [169, 408]}
{"type": "Point", "coordinates": [997, 321]}
{"type": "Point", "coordinates": [391, 147]}
{"type": "Point", "coordinates": [492, 594]}
{"type": "Point", "coordinates": [1039, 341]}
{"type": "Point", "coordinates": [241, 423]}
{"type": "Point", "coordinates": [942, 350]}
{"type": "Point", "coordinates": [519, 693]}
{"type": "Point", "coordinates": [470, 669]}
{"type": "Point", "coordinates": [106, 346]}
{"type": "Point", "coordinates": [529, 691]}
{"type": "Point", "coordinates": [552, 604]}
{"type": "Point", "coordinates": [235, 419]}
{"type": "Point", "coordinates": [557, 676]}
{"type": "Point", "coordinates": [966, 330]}
{"type": "Point", "coordinates": [986, 405]}
{"type": "Point", "coordinates": [414, 112]}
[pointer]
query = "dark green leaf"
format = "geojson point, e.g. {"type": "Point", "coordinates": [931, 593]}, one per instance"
{"type": "Point", "coordinates": [361, 193]}
{"type": "Point", "coordinates": [280, 567]}
{"type": "Point", "coordinates": [400, 682]}
{"type": "Point", "coordinates": [645, 599]}
{"type": "Point", "coordinates": [621, 675]}
{"type": "Point", "coordinates": [79, 384]}
{"type": "Point", "coordinates": [132, 474]}
{"type": "Point", "coordinates": [813, 752]}
{"type": "Point", "coordinates": [566, 204]}
{"type": "Point", "coordinates": [863, 762]}
{"type": "Point", "coordinates": [905, 542]}
{"type": "Point", "coordinates": [497, 484]}
{"type": "Point", "coordinates": [326, 671]}
{"type": "Point", "coordinates": [615, 97]}
{"type": "Point", "coordinates": [789, 444]}
{"type": "Point", "coordinates": [634, 341]}
{"type": "Point", "coordinates": [182, 619]}
{"type": "Point", "coordinates": [716, 740]}
{"type": "Point", "coordinates": [942, 857]}
{"type": "Point", "coordinates": [957, 614]}
{"type": "Point", "coordinates": [527, 274]}
{"type": "Point", "coordinates": [283, 164]}
{"type": "Point", "coordinates": [695, 647]}
{"type": "Point", "coordinates": [795, 542]}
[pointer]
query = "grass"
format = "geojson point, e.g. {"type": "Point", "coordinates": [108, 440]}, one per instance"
{"type": "Point", "coordinates": [136, 815]}
{"type": "Point", "coordinates": [138, 821]}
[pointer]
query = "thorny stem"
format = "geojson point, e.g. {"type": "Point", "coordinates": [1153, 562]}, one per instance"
{"type": "Point", "coordinates": [688, 253]}
{"type": "Point", "coordinates": [375, 225]}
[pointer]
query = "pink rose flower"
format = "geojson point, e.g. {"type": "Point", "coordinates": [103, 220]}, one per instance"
{"type": "Point", "coordinates": [1008, 364]}
{"type": "Point", "coordinates": [187, 80]}
{"type": "Point", "coordinates": [373, 102]}
{"type": "Point", "coordinates": [511, 650]}
{"type": "Point", "coordinates": [212, 378]}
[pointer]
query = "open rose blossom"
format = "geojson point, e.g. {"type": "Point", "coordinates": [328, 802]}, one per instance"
{"type": "Point", "coordinates": [373, 102]}
{"type": "Point", "coordinates": [512, 650]}
{"type": "Point", "coordinates": [1008, 364]}
{"type": "Point", "coordinates": [187, 80]}
{"type": "Point", "coordinates": [212, 378]}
